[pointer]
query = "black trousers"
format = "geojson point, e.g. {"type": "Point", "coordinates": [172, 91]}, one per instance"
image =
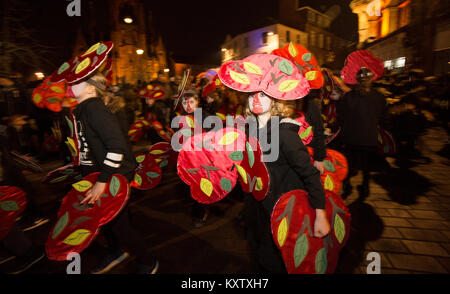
{"type": "Point", "coordinates": [259, 237]}
{"type": "Point", "coordinates": [358, 159]}
{"type": "Point", "coordinates": [119, 232]}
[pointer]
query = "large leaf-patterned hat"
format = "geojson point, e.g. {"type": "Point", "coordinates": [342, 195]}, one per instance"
{"type": "Point", "coordinates": [274, 75]}
{"type": "Point", "coordinates": [304, 61]}
{"type": "Point", "coordinates": [82, 65]}
{"type": "Point", "coordinates": [358, 59]}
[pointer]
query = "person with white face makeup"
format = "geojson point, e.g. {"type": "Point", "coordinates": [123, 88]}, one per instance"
{"type": "Point", "coordinates": [291, 171]}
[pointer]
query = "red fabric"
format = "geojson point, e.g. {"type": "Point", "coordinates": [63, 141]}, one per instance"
{"type": "Point", "coordinates": [274, 75]}
{"type": "Point", "coordinates": [305, 132]}
{"type": "Point", "coordinates": [67, 174]}
{"type": "Point", "coordinates": [148, 174]}
{"type": "Point", "coordinates": [329, 113]}
{"type": "Point", "coordinates": [163, 154]}
{"type": "Point", "coordinates": [50, 95]}
{"type": "Point", "coordinates": [335, 169]}
{"type": "Point", "coordinates": [136, 131]}
{"type": "Point", "coordinates": [358, 59]}
{"type": "Point", "coordinates": [77, 225]}
{"type": "Point", "coordinates": [72, 141]}
{"type": "Point", "coordinates": [12, 203]}
{"type": "Point", "coordinates": [207, 166]}
{"type": "Point", "coordinates": [305, 62]}
{"type": "Point", "coordinates": [83, 65]}
{"type": "Point", "coordinates": [253, 169]}
{"type": "Point", "coordinates": [386, 143]}
{"type": "Point", "coordinates": [152, 91]}
{"type": "Point", "coordinates": [292, 225]}
{"type": "Point", "coordinates": [212, 86]}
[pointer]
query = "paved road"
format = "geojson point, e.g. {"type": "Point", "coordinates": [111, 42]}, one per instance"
{"type": "Point", "coordinates": [406, 219]}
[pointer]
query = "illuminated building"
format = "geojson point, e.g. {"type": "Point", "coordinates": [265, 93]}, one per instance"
{"type": "Point", "coordinates": [406, 32]}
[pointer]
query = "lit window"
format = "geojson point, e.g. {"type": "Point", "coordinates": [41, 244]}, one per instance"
{"type": "Point", "coordinates": [288, 36]}
{"type": "Point", "coordinates": [400, 62]}
{"type": "Point", "coordinates": [388, 64]}
{"type": "Point", "coordinates": [298, 39]}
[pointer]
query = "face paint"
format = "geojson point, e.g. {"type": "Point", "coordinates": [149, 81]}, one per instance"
{"type": "Point", "coordinates": [77, 89]}
{"type": "Point", "coordinates": [69, 92]}
{"type": "Point", "coordinates": [190, 104]}
{"type": "Point", "coordinates": [259, 103]}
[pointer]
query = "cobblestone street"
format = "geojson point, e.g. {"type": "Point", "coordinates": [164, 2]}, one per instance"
{"type": "Point", "coordinates": [405, 219]}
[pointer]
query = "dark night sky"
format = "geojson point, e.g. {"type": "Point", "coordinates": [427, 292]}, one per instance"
{"type": "Point", "coordinates": [193, 30]}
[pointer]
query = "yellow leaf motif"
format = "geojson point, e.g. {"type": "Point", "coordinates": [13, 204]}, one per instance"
{"type": "Point", "coordinates": [82, 186]}
{"type": "Point", "coordinates": [252, 68]}
{"type": "Point", "coordinates": [57, 89]}
{"type": "Point", "coordinates": [339, 228]}
{"type": "Point", "coordinates": [140, 158]}
{"type": "Point", "coordinates": [328, 184]}
{"type": "Point", "coordinates": [206, 186]}
{"type": "Point", "coordinates": [92, 49]}
{"type": "Point", "coordinates": [288, 85]}
{"type": "Point", "coordinates": [311, 75]}
{"type": "Point", "coordinates": [77, 237]}
{"type": "Point", "coordinates": [150, 87]}
{"type": "Point", "coordinates": [155, 152]}
{"type": "Point", "coordinates": [228, 138]}
{"type": "Point", "coordinates": [239, 78]}
{"type": "Point", "coordinates": [37, 98]}
{"type": "Point", "coordinates": [158, 94]}
{"type": "Point", "coordinates": [218, 82]}
{"type": "Point", "coordinates": [131, 132]}
{"type": "Point", "coordinates": [292, 50]}
{"type": "Point", "coordinates": [259, 184]}
{"type": "Point", "coordinates": [282, 232]}
{"type": "Point", "coordinates": [190, 122]}
{"type": "Point", "coordinates": [221, 116]}
{"type": "Point", "coordinates": [242, 173]}
{"type": "Point", "coordinates": [83, 65]}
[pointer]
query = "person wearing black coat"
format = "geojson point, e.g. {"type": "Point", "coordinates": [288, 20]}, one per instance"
{"type": "Point", "coordinates": [291, 170]}
{"type": "Point", "coordinates": [313, 117]}
{"type": "Point", "coordinates": [104, 149]}
{"type": "Point", "coordinates": [359, 113]}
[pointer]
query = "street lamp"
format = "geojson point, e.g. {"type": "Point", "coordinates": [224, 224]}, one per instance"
{"type": "Point", "coordinates": [128, 20]}
{"type": "Point", "coordinates": [166, 70]}
{"type": "Point", "coordinates": [39, 75]}
{"type": "Point", "coordinates": [223, 49]}
{"type": "Point", "coordinates": [139, 51]}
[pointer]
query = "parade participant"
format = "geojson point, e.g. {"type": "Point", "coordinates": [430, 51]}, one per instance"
{"type": "Point", "coordinates": [103, 149]}
{"type": "Point", "coordinates": [291, 169]}
{"type": "Point", "coordinates": [190, 101]}
{"type": "Point", "coordinates": [307, 64]}
{"type": "Point", "coordinates": [359, 113]}
{"type": "Point", "coordinates": [26, 254]}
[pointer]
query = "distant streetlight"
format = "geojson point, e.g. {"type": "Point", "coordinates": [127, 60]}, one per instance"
{"type": "Point", "coordinates": [166, 70]}
{"type": "Point", "coordinates": [140, 52]}
{"type": "Point", "coordinates": [39, 75]}
{"type": "Point", "coordinates": [270, 34]}
{"type": "Point", "coordinates": [223, 49]}
{"type": "Point", "coordinates": [128, 20]}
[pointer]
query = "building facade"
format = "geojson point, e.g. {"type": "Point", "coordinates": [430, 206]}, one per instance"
{"type": "Point", "coordinates": [262, 40]}
{"type": "Point", "coordinates": [139, 54]}
{"type": "Point", "coordinates": [406, 33]}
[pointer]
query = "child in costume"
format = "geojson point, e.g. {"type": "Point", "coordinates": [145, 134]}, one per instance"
{"type": "Point", "coordinates": [270, 80]}
{"type": "Point", "coordinates": [104, 149]}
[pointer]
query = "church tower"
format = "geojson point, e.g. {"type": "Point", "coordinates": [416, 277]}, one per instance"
{"type": "Point", "coordinates": [131, 33]}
